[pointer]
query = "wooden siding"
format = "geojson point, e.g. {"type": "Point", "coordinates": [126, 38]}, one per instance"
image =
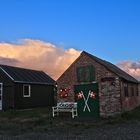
{"type": "Point", "coordinates": [41, 96]}
{"type": "Point", "coordinates": [8, 91]}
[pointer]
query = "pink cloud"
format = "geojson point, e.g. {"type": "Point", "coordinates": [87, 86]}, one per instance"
{"type": "Point", "coordinates": [39, 55]}
{"type": "Point", "coordinates": [133, 68]}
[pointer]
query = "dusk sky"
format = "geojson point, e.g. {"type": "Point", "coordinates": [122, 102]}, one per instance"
{"type": "Point", "coordinates": [52, 33]}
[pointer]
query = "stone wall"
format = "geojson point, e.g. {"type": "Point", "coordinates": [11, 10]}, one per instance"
{"type": "Point", "coordinates": [110, 98]}
{"type": "Point", "coordinates": [110, 103]}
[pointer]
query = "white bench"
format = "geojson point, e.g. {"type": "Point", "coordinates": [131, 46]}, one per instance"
{"type": "Point", "coordinates": [65, 107]}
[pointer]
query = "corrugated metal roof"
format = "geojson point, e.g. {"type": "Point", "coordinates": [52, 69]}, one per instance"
{"type": "Point", "coordinates": [112, 68]}
{"type": "Point", "coordinates": [22, 75]}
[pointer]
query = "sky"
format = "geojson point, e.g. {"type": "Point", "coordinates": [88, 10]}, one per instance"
{"type": "Point", "coordinates": [54, 32]}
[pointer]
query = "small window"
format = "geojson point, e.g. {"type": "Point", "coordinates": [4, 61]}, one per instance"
{"type": "Point", "coordinates": [86, 73]}
{"type": "Point", "coordinates": [126, 89]}
{"type": "Point", "coordinates": [137, 92]}
{"type": "Point", "coordinates": [132, 90]}
{"type": "Point", "coordinates": [26, 90]}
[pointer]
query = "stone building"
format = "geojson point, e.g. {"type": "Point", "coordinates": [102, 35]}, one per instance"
{"type": "Point", "coordinates": [100, 88]}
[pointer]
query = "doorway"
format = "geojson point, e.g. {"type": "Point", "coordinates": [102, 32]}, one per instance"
{"type": "Point", "coordinates": [87, 100]}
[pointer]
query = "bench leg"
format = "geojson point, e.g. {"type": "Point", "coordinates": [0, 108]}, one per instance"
{"type": "Point", "coordinates": [53, 113]}
{"type": "Point", "coordinates": [73, 113]}
{"type": "Point", "coordinates": [76, 112]}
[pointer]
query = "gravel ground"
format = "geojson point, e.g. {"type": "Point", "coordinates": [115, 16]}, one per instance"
{"type": "Point", "coordinates": [123, 131]}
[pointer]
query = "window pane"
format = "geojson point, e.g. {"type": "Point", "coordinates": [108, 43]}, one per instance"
{"type": "Point", "coordinates": [26, 90]}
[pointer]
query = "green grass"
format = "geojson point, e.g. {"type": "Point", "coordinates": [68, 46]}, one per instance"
{"type": "Point", "coordinates": [13, 122]}
{"type": "Point", "coordinates": [126, 117]}
{"type": "Point", "coordinates": [132, 115]}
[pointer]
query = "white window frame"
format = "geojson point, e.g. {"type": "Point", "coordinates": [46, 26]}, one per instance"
{"type": "Point", "coordinates": [29, 91]}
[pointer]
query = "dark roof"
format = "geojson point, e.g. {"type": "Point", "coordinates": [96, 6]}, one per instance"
{"type": "Point", "coordinates": [22, 75]}
{"type": "Point", "coordinates": [112, 68]}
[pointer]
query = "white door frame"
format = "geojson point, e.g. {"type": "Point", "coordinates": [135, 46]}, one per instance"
{"type": "Point", "coordinates": [1, 94]}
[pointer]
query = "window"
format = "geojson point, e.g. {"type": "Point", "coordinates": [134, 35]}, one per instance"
{"type": "Point", "coordinates": [126, 89]}
{"type": "Point", "coordinates": [86, 74]}
{"type": "Point", "coordinates": [26, 90]}
{"type": "Point", "coordinates": [137, 93]}
{"type": "Point", "coordinates": [132, 90]}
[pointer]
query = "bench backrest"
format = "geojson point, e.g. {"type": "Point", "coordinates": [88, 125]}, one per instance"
{"type": "Point", "coordinates": [67, 105]}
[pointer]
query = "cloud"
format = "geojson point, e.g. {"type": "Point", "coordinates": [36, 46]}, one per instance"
{"type": "Point", "coordinates": [8, 61]}
{"type": "Point", "coordinates": [133, 68]}
{"type": "Point", "coordinates": [39, 55]}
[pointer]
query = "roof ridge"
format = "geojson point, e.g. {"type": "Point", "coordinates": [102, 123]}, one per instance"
{"type": "Point", "coordinates": [112, 67]}
{"type": "Point", "coordinates": [17, 67]}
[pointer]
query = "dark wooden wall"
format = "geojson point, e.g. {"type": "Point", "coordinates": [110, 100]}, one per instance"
{"type": "Point", "coordinates": [8, 91]}
{"type": "Point", "coordinates": [41, 96]}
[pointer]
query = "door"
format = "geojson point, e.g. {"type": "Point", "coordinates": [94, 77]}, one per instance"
{"type": "Point", "coordinates": [87, 100]}
{"type": "Point", "coordinates": [1, 90]}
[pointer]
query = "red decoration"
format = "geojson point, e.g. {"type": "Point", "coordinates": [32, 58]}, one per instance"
{"type": "Point", "coordinates": [63, 92]}
{"type": "Point", "coordinates": [92, 95]}
{"type": "Point", "coordinates": [79, 95]}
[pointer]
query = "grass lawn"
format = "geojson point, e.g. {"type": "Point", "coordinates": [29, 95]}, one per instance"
{"type": "Point", "coordinates": [15, 122]}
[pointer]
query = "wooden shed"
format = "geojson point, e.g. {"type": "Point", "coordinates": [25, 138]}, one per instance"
{"type": "Point", "coordinates": [100, 88]}
{"type": "Point", "coordinates": [24, 88]}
